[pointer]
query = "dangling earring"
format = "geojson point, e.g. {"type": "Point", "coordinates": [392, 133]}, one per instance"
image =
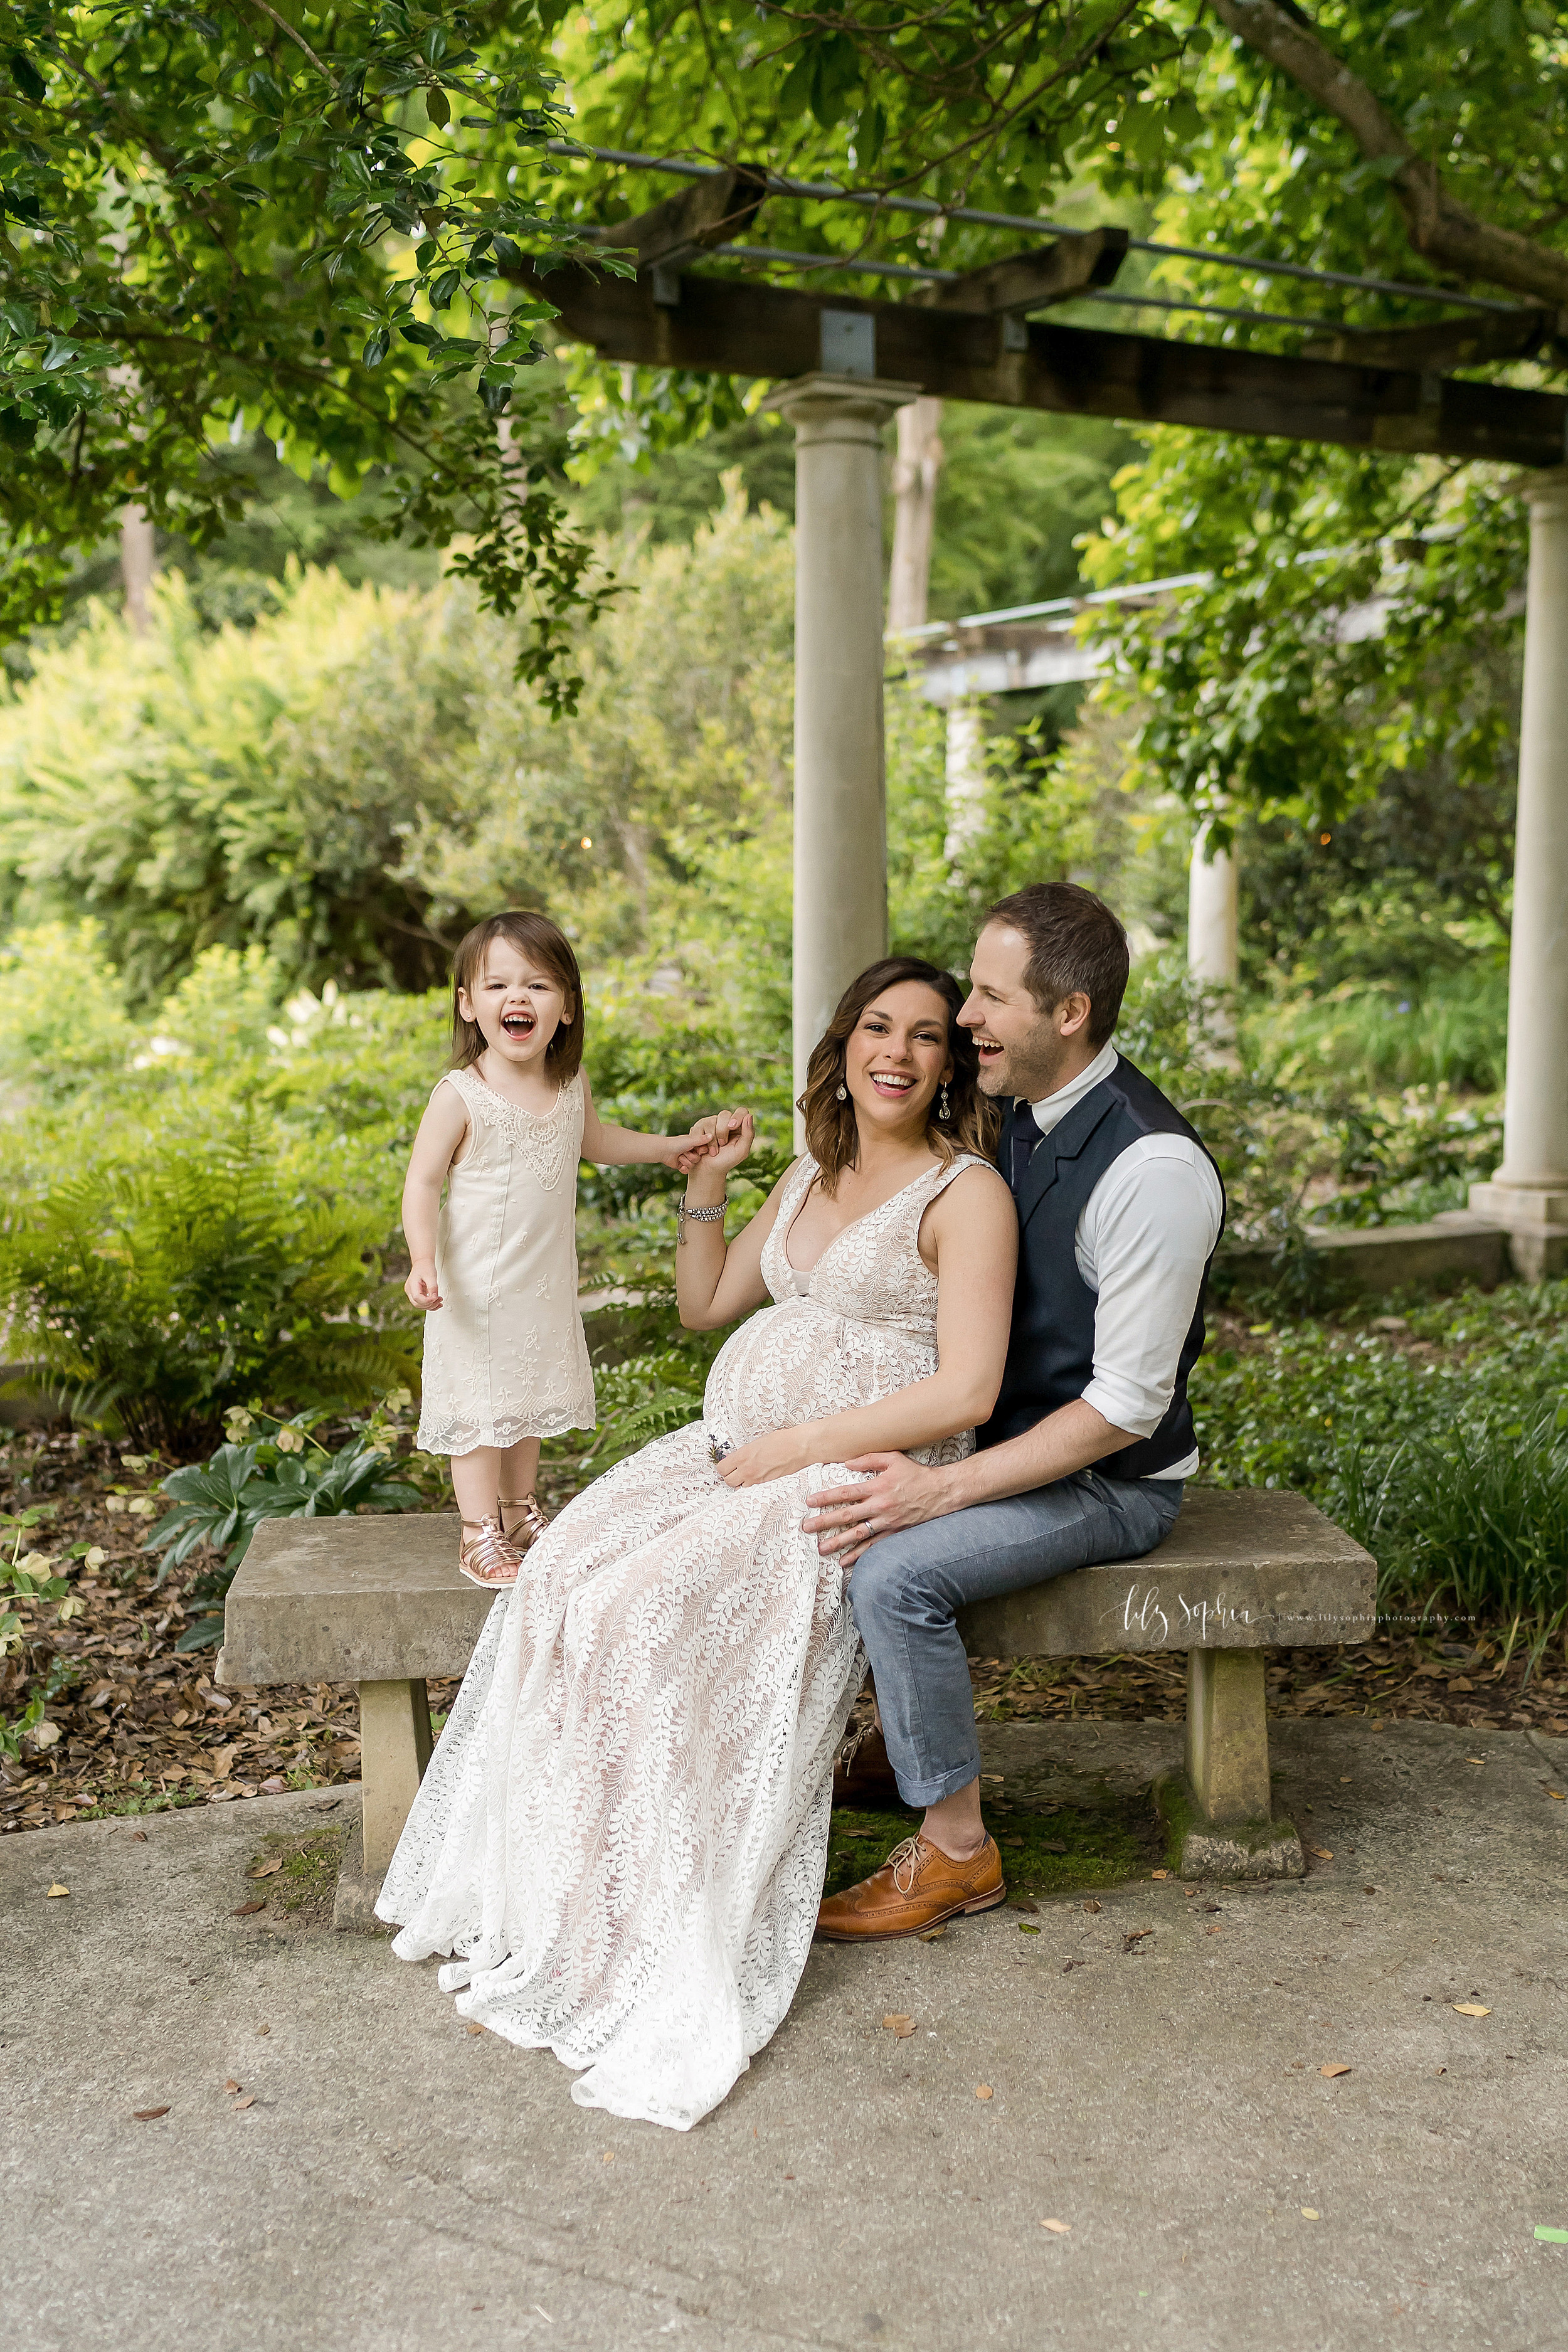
{"type": "Point", "coordinates": [843, 1091]}
{"type": "Point", "coordinates": [942, 1111]}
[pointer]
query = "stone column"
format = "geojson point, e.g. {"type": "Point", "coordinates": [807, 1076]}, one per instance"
{"type": "Point", "coordinates": [840, 831]}
{"type": "Point", "coordinates": [1212, 952]}
{"type": "Point", "coordinates": [964, 775]}
{"type": "Point", "coordinates": [915, 471]}
{"type": "Point", "coordinates": [1529, 1194]}
{"type": "Point", "coordinates": [137, 561]}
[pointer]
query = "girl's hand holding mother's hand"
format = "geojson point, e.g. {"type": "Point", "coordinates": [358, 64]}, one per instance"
{"type": "Point", "coordinates": [720, 1142]}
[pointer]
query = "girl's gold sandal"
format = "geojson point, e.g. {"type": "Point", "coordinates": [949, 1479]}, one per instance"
{"type": "Point", "coordinates": [525, 1530]}
{"type": "Point", "coordinates": [487, 1556]}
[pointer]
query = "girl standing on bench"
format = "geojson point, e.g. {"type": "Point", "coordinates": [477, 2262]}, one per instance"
{"type": "Point", "coordinates": [495, 1267]}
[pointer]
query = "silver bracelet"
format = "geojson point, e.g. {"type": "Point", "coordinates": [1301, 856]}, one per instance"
{"type": "Point", "coordinates": [684, 1216]}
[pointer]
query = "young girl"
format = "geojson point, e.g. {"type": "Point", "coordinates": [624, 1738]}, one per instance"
{"type": "Point", "coordinates": [506, 1362]}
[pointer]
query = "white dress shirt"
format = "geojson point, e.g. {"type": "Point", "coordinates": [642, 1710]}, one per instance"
{"type": "Point", "coordinates": [1147, 1231]}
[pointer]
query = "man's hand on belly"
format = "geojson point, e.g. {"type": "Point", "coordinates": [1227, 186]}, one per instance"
{"type": "Point", "coordinates": [901, 1493]}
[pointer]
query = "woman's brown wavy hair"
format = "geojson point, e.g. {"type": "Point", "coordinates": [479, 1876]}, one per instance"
{"type": "Point", "coordinates": [832, 1134]}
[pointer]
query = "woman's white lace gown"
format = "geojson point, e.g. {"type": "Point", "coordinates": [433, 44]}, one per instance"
{"type": "Point", "coordinates": [623, 1831]}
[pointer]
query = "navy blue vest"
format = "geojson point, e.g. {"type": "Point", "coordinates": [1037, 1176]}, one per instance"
{"type": "Point", "coordinates": [1051, 1354]}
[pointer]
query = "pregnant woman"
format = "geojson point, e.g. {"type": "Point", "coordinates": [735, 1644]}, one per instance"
{"type": "Point", "coordinates": [622, 1835]}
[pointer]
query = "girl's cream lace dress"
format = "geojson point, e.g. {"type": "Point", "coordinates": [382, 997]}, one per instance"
{"type": "Point", "coordinates": [504, 1354]}
{"type": "Point", "coordinates": [623, 1831]}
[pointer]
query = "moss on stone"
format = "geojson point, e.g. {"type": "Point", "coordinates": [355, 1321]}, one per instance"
{"type": "Point", "coordinates": [1098, 1837]}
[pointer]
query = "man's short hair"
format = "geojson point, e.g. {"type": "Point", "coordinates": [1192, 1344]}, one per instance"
{"type": "Point", "coordinates": [1076, 945]}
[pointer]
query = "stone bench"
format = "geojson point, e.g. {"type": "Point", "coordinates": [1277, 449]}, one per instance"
{"type": "Point", "coordinates": [378, 1601]}
{"type": "Point", "coordinates": [1243, 1571]}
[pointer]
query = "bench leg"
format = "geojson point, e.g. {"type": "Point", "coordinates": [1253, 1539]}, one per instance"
{"type": "Point", "coordinates": [1227, 1735]}
{"type": "Point", "coordinates": [1219, 1812]}
{"type": "Point", "coordinates": [394, 1748]}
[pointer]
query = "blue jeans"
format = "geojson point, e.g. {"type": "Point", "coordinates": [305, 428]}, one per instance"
{"type": "Point", "coordinates": [906, 1589]}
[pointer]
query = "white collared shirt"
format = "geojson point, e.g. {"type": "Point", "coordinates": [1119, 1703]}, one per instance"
{"type": "Point", "coordinates": [1146, 1233]}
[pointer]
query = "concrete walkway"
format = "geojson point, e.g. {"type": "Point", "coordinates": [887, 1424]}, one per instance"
{"type": "Point", "coordinates": [400, 2181]}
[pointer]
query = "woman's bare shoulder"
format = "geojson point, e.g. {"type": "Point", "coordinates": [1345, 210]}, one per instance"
{"type": "Point", "coordinates": [978, 1183]}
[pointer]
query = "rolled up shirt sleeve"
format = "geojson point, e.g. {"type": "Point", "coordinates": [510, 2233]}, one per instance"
{"type": "Point", "coordinates": [1145, 1236]}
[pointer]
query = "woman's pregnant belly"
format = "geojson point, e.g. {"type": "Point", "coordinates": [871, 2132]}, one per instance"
{"type": "Point", "coordinates": [798, 1361]}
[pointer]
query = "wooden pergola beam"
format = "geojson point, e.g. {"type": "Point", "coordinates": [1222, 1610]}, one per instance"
{"type": "Point", "coordinates": [731, 326]}
{"type": "Point", "coordinates": [709, 213]}
{"type": "Point", "coordinates": [1442, 342]}
{"type": "Point", "coordinates": [1028, 281]}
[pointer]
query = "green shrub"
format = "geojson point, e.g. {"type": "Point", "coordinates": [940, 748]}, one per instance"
{"type": "Point", "coordinates": [162, 1294]}
{"type": "Point", "coordinates": [1451, 1467]}
{"type": "Point", "coordinates": [288, 1476]}
{"type": "Point", "coordinates": [1471, 1514]}
{"type": "Point", "coordinates": [251, 788]}
{"type": "Point", "coordinates": [1452, 1032]}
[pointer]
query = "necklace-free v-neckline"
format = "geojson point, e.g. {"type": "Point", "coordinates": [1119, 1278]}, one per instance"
{"type": "Point", "coordinates": [806, 1271]}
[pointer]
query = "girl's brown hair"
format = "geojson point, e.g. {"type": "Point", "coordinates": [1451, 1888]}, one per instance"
{"type": "Point", "coordinates": [544, 944]}
{"type": "Point", "coordinates": [832, 1135]}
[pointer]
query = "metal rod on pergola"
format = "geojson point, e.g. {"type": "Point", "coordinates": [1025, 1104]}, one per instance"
{"type": "Point", "coordinates": [928, 207]}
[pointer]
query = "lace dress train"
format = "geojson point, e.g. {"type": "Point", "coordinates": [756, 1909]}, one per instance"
{"type": "Point", "coordinates": [622, 1834]}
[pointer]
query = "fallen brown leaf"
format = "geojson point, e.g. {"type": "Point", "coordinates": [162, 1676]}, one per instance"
{"type": "Point", "coordinates": [1331, 2070]}
{"type": "Point", "coordinates": [475, 2029]}
{"type": "Point", "coordinates": [1310, 2214]}
{"type": "Point", "coordinates": [138, 1837]}
{"type": "Point", "coordinates": [233, 2087]}
{"type": "Point", "coordinates": [1469, 2008]}
{"type": "Point", "coordinates": [934, 1935]}
{"type": "Point", "coordinates": [984, 2090]}
{"type": "Point", "coordinates": [1135, 1936]}
{"type": "Point", "coordinates": [269, 1869]}
{"type": "Point", "coordinates": [239, 2105]}
{"type": "Point", "coordinates": [263, 2028]}
{"type": "Point", "coordinates": [1561, 1794]}
{"type": "Point", "coordinates": [1323, 1853]}
{"type": "Point", "coordinates": [147, 2115]}
{"type": "Point", "coordinates": [1062, 2229]}
{"type": "Point", "coordinates": [899, 2024]}
{"type": "Point", "coordinates": [1094, 1904]}
{"type": "Point", "coordinates": [1153, 1874]}
{"type": "Point", "coordinates": [1068, 1966]}
{"type": "Point", "coordinates": [1022, 1903]}
{"type": "Point", "coordinates": [258, 1903]}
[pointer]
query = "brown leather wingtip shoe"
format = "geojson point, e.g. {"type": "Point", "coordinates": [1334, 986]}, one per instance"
{"type": "Point", "coordinates": [917, 1887]}
{"type": "Point", "coordinates": [863, 1774]}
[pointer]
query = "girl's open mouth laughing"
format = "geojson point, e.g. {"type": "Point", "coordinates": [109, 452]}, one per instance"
{"type": "Point", "coordinates": [518, 1026]}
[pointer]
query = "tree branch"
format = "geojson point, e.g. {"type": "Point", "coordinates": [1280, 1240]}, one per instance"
{"type": "Point", "coordinates": [297, 37]}
{"type": "Point", "coordinates": [1444, 231]}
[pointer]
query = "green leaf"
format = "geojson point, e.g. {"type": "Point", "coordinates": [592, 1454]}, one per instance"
{"type": "Point", "coordinates": [27, 77]}
{"type": "Point", "coordinates": [437, 106]}
{"type": "Point", "coordinates": [376, 347]}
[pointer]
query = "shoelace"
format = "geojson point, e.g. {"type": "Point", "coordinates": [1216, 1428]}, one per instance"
{"type": "Point", "coordinates": [910, 1855]}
